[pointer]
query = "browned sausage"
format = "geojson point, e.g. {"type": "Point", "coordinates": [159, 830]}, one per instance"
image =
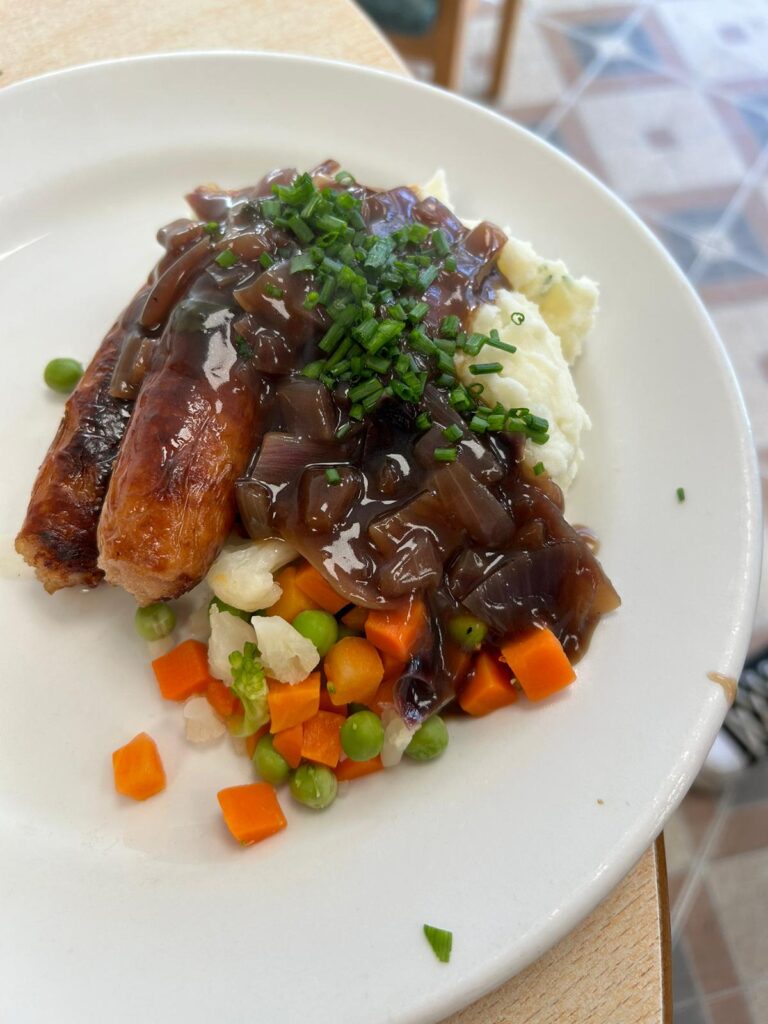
{"type": "Point", "coordinates": [58, 537]}
{"type": "Point", "coordinates": [171, 502]}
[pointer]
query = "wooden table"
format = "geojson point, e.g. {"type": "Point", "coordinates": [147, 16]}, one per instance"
{"type": "Point", "coordinates": [614, 969]}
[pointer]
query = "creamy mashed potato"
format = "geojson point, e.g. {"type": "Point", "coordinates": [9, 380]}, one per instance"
{"type": "Point", "coordinates": [559, 312]}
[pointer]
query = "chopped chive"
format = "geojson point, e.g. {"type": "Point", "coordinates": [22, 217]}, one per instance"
{"type": "Point", "coordinates": [387, 331]}
{"type": "Point", "coordinates": [445, 380]}
{"type": "Point", "coordinates": [538, 469]}
{"type": "Point", "coordinates": [300, 228]}
{"type": "Point", "coordinates": [423, 421]}
{"type": "Point", "coordinates": [446, 345]}
{"type": "Point", "coordinates": [538, 423]}
{"type": "Point", "coordinates": [459, 399]}
{"type": "Point", "coordinates": [474, 343]}
{"type": "Point", "coordinates": [450, 327]}
{"type": "Point", "coordinates": [339, 353]}
{"type": "Point", "coordinates": [343, 430]}
{"type": "Point", "coordinates": [379, 253]}
{"type": "Point", "coordinates": [311, 300]}
{"type": "Point", "coordinates": [450, 264]}
{"type": "Point", "coordinates": [333, 476]}
{"type": "Point", "coordinates": [444, 362]}
{"type": "Point", "coordinates": [496, 421]}
{"type": "Point", "coordinates": [371, 401]}
{"type": "Point", "coordinates": [441, 942]}
{"type": "Point", "coordinates": [680, 492]}
{"type": "Point", "coordinates": [517, 318]}
{"type": "Point", "coordinates": [396, 312]}
{"type": "Point", "coordinates": [212, 228]}
{"type": "Point", "coordinates": [368, 387]}
{"type": "Point", "coordinates": [480, 368]}
{"type": "Point", "coordinates": [453, 433]}
{"type": "Point", "coordinates": [476, 389]}
{"type": "Point", "coordinates": [326, 291]}
{"type": "Point", "coordinates": [365, 331]}
{"type": "Point", "coordinates": [440, 242]}
{"type": "Point", "coordinates": [270, 208]}
{"type": "Point", "coordinates": [378, 363]}
{"type": "Point", "coordinates": [327, 222]}
{"type": "Point", "coordinates": [273, 291]}
{"type": "Point", "coordinates": [344, 178]}
{"type": "Point", "coordinates": [302, 261]}
{"type": "Point", "coordinates": [313, 370]}
{"type": "Point", "coordinates": [479, 424]}
{"type": "Point", "coordinates": [427, 276]}
{"type": "Point", "coordinates": [356, 411]}
{"type": "Point", "coordinates": [445, 454]}
{"type": "Point", "coordinates": [417, 233]}
{"type": "Point", "coordinates": [539, 438]}
{"type": "Point", "coordinates": [417, 312]}
{"type": "Point", "coordinates": [226, 259]}
{"type": "Point", "coordinates": [266, 260]}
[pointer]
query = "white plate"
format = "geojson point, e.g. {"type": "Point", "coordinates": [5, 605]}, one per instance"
{"type": "Point", "coordinates": [121, 912]}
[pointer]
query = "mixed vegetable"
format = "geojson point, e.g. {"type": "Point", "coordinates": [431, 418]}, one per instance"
{"type": "Point", "coordinates": [335, 722]}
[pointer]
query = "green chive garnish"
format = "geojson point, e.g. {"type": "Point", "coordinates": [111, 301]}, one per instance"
{"type": "Point", "coordinates": [680, 492]}
{"type": "Point", "coordinates": [266, 260]}
{"type": "Point", "coordinates": [273, 291]}
{"type": "Point", "coordinates": [450, 264]}
{"type": "Point", "coordinates": [480, 368]}
{"type": "Point", "coordinates": [226, 259]}
{"type": "Point", "coordinates": [441, 942]}
{"type": "Point", "coordinates": [270, 208]}
{"type": "Point", "coordinates": [344, 178]}
{"type": "Point", "coordinates": [450, 327]}
{"type": "Point", "coordinates": [427, 276]}
{"type": "Point", "coordinates": [212, 227]}
{"type": "Point", "coordinates": [417, 313]}
{"type": "Point", "coordinates": [423, 422]}
{"type": "Point", "coordinates": [302, 261]}
{"type": "Point", "coordinates": [453, 433]}
{"type": "Point", "coordinates": [538, 469]}
{"type": "Point", "coordinates": [445, 454]}
{"type": "Point", "coordinates": [440, 243]}
{"type": "Point", "coordinates": [332, 475]}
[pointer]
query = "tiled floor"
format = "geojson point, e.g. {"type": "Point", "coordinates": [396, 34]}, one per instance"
{"type": "Point", "coordinates": [667, 103]}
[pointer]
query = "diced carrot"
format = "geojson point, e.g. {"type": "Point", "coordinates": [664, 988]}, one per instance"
{"type": "Point", "coordinates": [322, 742]}
{"type": "Point", "coordinates": [349, 769]}
{"type": "Point", "coordinates": [488, 687]}
{"type": "Point", "coordinates": [290, 704]}
{"type": "Point", "coordinates": [251, 812]}
{"type": "Point", "coordinates": [355, 619]}
{"type": "Point", "coordinates": [393, 667]}
{"type": "Point", "coordinates": [384, 696]}
{"type": "Point", "coordinates": [353, 669]}
{"type": "Point", "coordinates": [396, 631]}
{"type": "Point", "coordinates": [222, 698]}
{"type": "Point", "coordinates": [183, 671]}
{"type": "Point", "coordinates": [253, 739]}
{"type": "Point", "coordinates": [539, 663]}
{"type": "Point", "coordinates": [137, 767]}
{"type": "Point", "coordinates": [292, 600]}
{"type": "Point", "coordinates": [309, 580]}
{"type": "Point", "coordinates": [326, 704]}
{"type": "Point", "coordinates": [288, 743]}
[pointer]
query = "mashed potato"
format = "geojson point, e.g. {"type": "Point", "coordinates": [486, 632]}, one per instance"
{"type": "Point", "coordinates": [559, 313]}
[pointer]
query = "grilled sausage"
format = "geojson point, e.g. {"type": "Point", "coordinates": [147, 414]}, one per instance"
{"type": "Point", "coordinates": [58, 537]}
{"type": "Point", "coordinates": [171, 500]}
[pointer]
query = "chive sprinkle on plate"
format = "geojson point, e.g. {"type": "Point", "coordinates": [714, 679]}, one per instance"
{"type": "Point", "coordinates": [441, 942]}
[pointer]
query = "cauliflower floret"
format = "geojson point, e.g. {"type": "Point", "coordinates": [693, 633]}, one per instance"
{"type": "Point", "coordinates": [568, 305]}
{"type": "Point", "coordinates": [228, 633]}
{"type": "Point", "coordinates": [535, 377]}
{"type": "Point", "coordinates": [242, 574]}
{"type": "Point", "coordinates": [285, 654]}
{"type": "Point", "coordinates": [201, 723]}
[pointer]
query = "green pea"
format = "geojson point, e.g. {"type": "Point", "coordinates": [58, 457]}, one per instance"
{"type": "Point", "coordinates": [155, 621]}
{"type": "Point", "coordinates": [269, 764]}
{"type": "Point", "coordinates": [319, 627]}
{"type": "Point", "coordinates": [314, 785]}
{"type": "Point", "coordinates": [347, 631]}
{"type": "Point", "coordinates": [362, 736]}
{"type": "Point", "coordinates": [62, 375]}
{"type": "Point", "coordinates": [467, 631]}
{"type": "Point", "coordinates": [224, 607]}
{"type": "Point", "coordinates": [429, 740]}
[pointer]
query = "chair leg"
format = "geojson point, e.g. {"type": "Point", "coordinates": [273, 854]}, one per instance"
{"type": "Point", "coordinates": [509, 19]}
{"type": "Point", "coordinates": [448, 46]}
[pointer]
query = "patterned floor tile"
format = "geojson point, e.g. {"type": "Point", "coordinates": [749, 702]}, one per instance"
{"type": "Point", "coordinates": [758, 1001]}
{"type": "Point", "coordinates": [661, 137]}
{"type": "Point", "coordinates": [729, 1008]}
{"type": "Point", "coordinates": [739, 887]}
{"type": "Point", "coordinates": [719, 42]}
{"type": "Point", "coordinates": [678, 844]}
{"type": "Point", "coordinates": [708, 953]}
{"type": "Point", "coordinates": [744, 829]}
{"type": "Point", "coordinates": [689, 1013]}
{"type": "Point", "coordinates": [683, 985]}
{"type": "Point", "coordinates": [742, 329]}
